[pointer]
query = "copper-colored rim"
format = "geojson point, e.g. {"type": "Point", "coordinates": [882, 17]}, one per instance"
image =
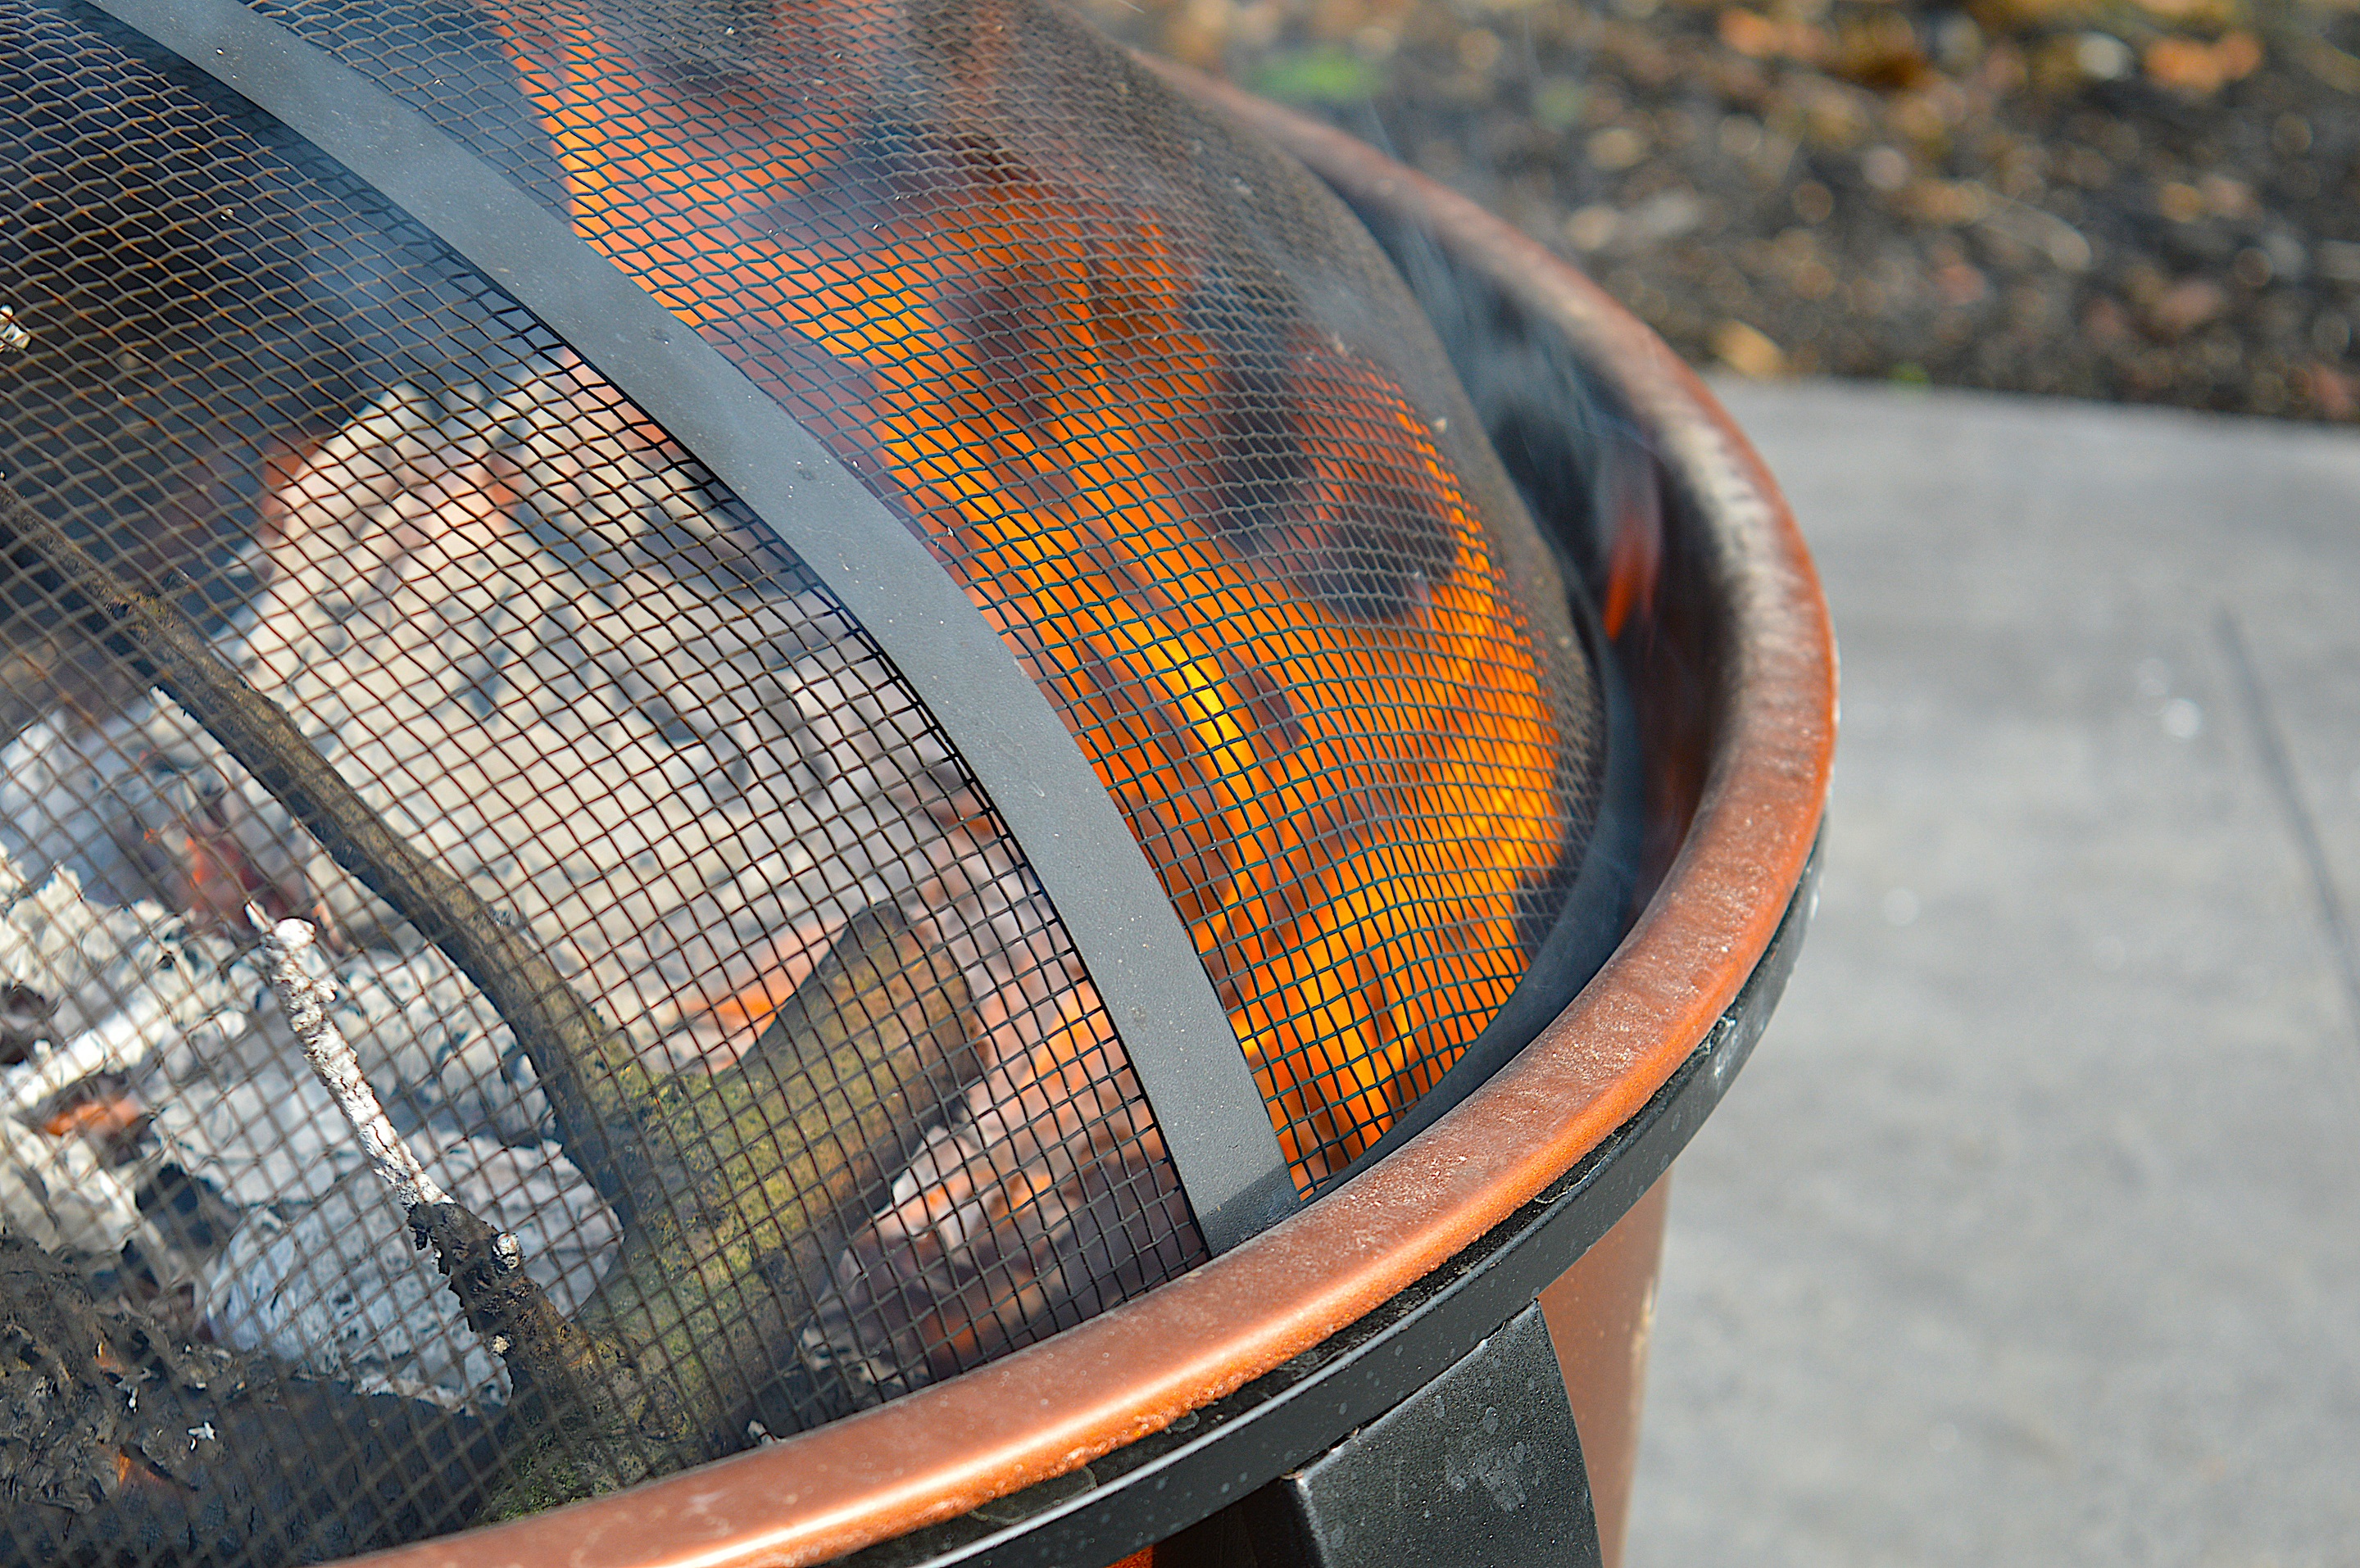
{"type": "Point", "coordinates": [1053, 1406]}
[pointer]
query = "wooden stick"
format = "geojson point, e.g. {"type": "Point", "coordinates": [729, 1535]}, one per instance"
{"type": "Point", "coordinates": [305, 1002]}
{"type": "Point", "coordinates": [589, 1070]}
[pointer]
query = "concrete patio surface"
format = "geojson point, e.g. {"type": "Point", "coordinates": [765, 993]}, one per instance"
{"type": "Point", "coordinates": [2031, 1234]}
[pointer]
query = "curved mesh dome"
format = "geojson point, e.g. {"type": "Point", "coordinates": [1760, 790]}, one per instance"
{"type": "Point", "coordinates": [1169, 416]}
{"type": "Point", "coordinates": [755, 1074]}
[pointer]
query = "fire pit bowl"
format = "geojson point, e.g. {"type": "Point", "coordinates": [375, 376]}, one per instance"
{"type": "Point", "coordinates": [879, 980]}
{"type": "Point", "coordinates": [1178, 1419]}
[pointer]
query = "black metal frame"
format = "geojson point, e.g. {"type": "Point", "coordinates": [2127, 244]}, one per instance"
{"type": "Point", "coordinates": [1504, 1488]}
{"type": "Point", "coordinates": [1156, 991]}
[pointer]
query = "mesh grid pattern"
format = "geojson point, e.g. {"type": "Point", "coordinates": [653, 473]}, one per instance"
{"type": "Point", "coordinates": [848, 1115]}
{"type": "Point", "coordinates": [1163, 410]}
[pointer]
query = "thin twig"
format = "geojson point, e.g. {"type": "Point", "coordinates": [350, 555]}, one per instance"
{"type": "Point", "coordinates": [305, 1001]}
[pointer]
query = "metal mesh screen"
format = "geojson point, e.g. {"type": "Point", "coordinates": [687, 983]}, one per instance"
{"type": "Point", "coordinates": [794, 1010]}
{"type": "Point", "coordinates": [751, 1074]}
{"type": "Point", "coordinates": [1159, 404]}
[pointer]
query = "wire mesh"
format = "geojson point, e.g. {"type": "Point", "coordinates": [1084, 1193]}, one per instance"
{"type": "Point", "coordinates": [795, 1015]}
{"type": "Point", "coordinates": [690, 959]}
{"type": "Point", "coordinates": [1165, 411]}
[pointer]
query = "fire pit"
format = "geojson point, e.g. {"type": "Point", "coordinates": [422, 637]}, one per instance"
{"type": "Point", "coordinates": [813, 763]}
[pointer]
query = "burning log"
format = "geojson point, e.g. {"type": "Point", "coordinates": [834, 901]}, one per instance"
{"type": "Point", "coordinates": [744, 1276]}
{"type": "Point", "coordinates": [717, 1277]}
{"type": "Point", "coordinates": [735, 1186]}
{"type": "Point", "coordinates": [655, 1374]}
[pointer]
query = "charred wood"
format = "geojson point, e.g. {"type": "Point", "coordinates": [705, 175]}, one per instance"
{"type": "Point", "coordinates": [124, 1441]}
{"type": "Point", "coordinates": [736, 1187]}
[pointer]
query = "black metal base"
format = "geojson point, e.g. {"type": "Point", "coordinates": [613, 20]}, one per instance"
{"type": "Point", "coordinates": [1483, 1463]}
{"type": "Point", "coordinates": [1481, 1469]}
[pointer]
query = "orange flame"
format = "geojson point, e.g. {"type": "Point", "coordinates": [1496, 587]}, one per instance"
{"type": "Point", "coordinates": [1342, 809]}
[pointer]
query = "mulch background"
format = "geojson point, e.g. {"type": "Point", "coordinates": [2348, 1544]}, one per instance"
{"type": "Point", "coordinates": [2149, 201]}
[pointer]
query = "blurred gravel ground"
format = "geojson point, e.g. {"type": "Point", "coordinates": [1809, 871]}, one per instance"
{"type": "Point", "coordinates": [2146, 200]}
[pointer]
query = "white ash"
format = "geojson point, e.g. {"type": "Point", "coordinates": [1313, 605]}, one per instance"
{"type": "Point", "coordinates": [321, 1269]}
{"type": "Point", "coordinates": [107, 984]}
{"type": "Point", "coordinates": [436, 1060]}
{"type": "Point", "coordinates": [535, 646]}
{"type": "Point", "coordinates": [514, 623]}
{"type": "Point", "coordinates": [111, 978]}
{"type": "Point", "coordinates": [59, 1193]}
{"type": "Point", "coordinates": [334, 1286]}
{"type": "Point", "coordinates": [189, 1022]}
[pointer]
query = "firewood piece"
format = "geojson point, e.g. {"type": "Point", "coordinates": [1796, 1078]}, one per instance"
{"type": "Point", "coordinates": [702, 1312]}
{"type": "Point", "coordinates": [593, 1077]}
{"type": "Point", "coordinates": [306, 1002]}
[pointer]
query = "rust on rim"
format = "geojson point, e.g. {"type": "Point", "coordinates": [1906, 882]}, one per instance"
{"type": "Point", "coordinates": [1054, 1406]}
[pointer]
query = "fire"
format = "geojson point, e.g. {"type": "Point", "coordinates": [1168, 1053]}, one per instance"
{"type": "Point", "coordinates": [100, 1118]}
{"type": "Point", "coordinates": [1345, 780]}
